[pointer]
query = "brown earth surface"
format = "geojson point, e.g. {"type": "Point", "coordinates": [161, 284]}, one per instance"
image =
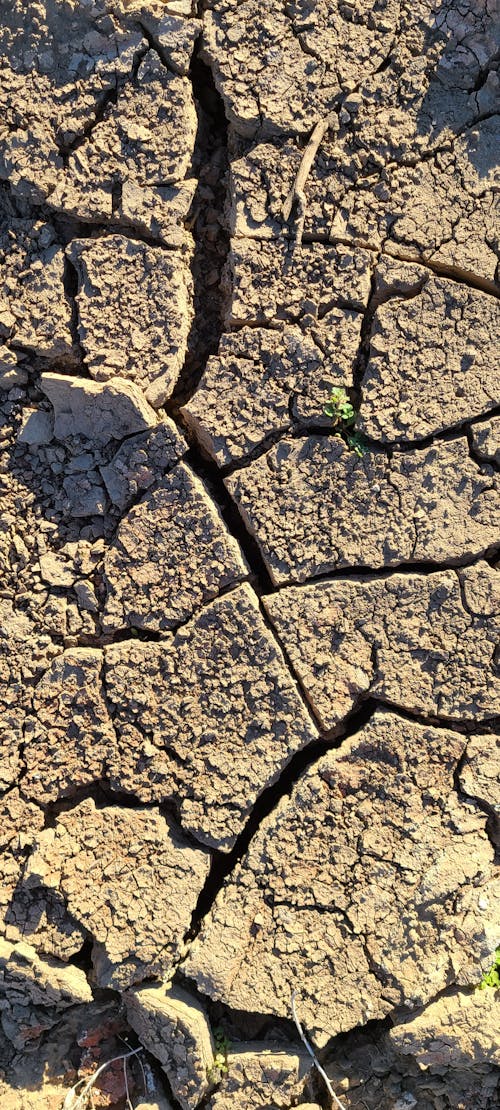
{"type": "Point", "coordinates": [249, 652]}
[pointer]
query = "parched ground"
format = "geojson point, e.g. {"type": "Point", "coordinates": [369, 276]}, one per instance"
{"type": "Point", "coordinates": [249, 668]}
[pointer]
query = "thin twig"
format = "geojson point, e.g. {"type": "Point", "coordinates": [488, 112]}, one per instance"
{"type": "Point", "coordinates": [312, 1053]}
{"type": "Point", "coordinates": [87, 1090]}
{"type": "Point", "coordinates": [297, 192]}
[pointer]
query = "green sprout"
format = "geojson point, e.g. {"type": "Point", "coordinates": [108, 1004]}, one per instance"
{"type": "Point", "coordinates": [219, 1066]}
{"type": "Point", "coordinates": [343, 414]}
{"type": "Point", "coordinates": [491, 978]}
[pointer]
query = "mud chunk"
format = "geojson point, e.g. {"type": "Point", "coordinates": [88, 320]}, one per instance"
{"type": "Point", "coordinates": [230, 723]}
{"type": "Point", "coordinates": [100, 411]}
{"type": "Point", "coordinates": [373, 863]}
{"type": "Point", "coordinates": [25, 652]}
{"type": "Point", "coordinates": [270, 282]}
{"type": "Point", "coordinates": [40, 918]}
{"type": "Point", "coordinates": [442, 209]}
{"type": "Point", "coordinates": [139, 153]}
{"type": "Point", "coordinates": [263, 380]}
{"type": "Point", "coordinates": [141, 461]}
{"type": "Point", "coordinates": [308, 502]}
{"type": "Point", "coordinates": [35, 992]}
{"type": "Point", "coordinates": [70, 733]}
{"type": "Point", "coordinates": [410, 640]}
{"type": "Point", "coordinates": [459, 1030]}
{"type": "Point", "coordinates": [172, 554]}
{"type": "Point", "coordinates": [280, 69]}
{"type": "Point", "coordinates": [130, 879]}
{"type": "Point", "coordinates": [34, 310]}
{"type": "Point", "coordinates": [61, 61]}
{"type": "Point", "coordinates": [174, 1027]}
{"type": "Point", "coordinates": [430, 363]}
{"type": "Point", "coordinates": [21, 820]}
{"type": "Point", "coordinates": [135, 310]}
{"type": "Point", "coordinates": [260, 1075]}
{"type": "Point", "coordinates": [486, 440]}
{"type": "Point", "coordinates": [480, 778]}
{"type": "Point", "coordinates": [174, 37]}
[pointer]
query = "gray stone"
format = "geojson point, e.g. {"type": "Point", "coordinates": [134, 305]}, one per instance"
{"type": "Point", "coordinates": [375, 867]}
{"type": "Point", "coordinates": [37, 428]}
{"type": "Point", "coordinates": [313, 506]}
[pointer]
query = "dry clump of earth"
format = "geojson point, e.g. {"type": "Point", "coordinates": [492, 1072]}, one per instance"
{"type": "Point", "coordinates": [249, 662]}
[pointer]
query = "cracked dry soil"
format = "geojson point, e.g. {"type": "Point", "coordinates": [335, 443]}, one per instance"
{"type": "Point", "coordinates": [250, 685]}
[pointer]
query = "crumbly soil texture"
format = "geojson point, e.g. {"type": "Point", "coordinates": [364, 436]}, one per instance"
{"type": "Point", "coordinates": [249, 543]}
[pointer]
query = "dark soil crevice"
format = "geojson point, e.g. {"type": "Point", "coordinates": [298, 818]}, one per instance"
{"type": "Point", "coordinates": [224, 863]}
{"type": "Point", "coordinates": [207, 222]}
{"type": "Point", "coordinates": [212, 478]}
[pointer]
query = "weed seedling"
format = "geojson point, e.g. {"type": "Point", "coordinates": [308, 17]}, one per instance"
{"type": "Point", "coordinates": [343, 414]}
{"type": "Point", "coordinates": [491, 978]}
{"type": "Point", "coordinates": [219, 1066]}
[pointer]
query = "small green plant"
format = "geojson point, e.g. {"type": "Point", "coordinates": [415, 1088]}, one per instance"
{"type": "Point", "coordinates": [219, 1066]}
{"type": "Point", "coordinates": [343, 414]}
{"type": "Point", "coordinates": [491, 978]}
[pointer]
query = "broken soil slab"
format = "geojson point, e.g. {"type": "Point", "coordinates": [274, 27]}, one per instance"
{"type": "Point", "coordinates": [35, 992]}
{"type": "Point", "coordinates": [136, 157]}
{"type": "Point", "coordinates": [135, 310]}
{"type": "Point", "coordinates": [425, 643]}
{"type": "Point", "coordinates": [443, 210]}
{"type": "Point", "coordinates": [130, 879]}
{"type": "Point", "coordinates": [430, 364]}
{"type": "Point", "coordinates": [21, 821]}
{"type": "Point", "coordinates": [486, 440]}
{"type": "Point", "coordinates": [141, 462]}
{"type": "Point", "coordinates": [273, 282]}
{"type": "Point", "coordinates": [35, 312]}
{"type": "Point", "coordinates": [99, 411]}
{"type": "Point", "coordinates": [60, 62]}
{"type": "Point", "coordinates": [459, 1030]}
{"type": "Point", "coordinates": [372, 871]}
{"type": "Point", "coordinates": [308, 502]}
{"type": "Point", "coordinates": [279, 69]}
{"type": "Point", "coordinates": [263, 380]}
{"type": "Point", "coordinates": [208, 718]}
{"type": "Point", "coordinates": [25, 653]}
{"type": "Point", "coordinates": [172, 554]}
{"type": "Point", "coordinates": [174, 1027]}
{"type": "Point", "coordinates": [69, 732]}
{"type": "Point", "coordinates": [261, 1075]}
